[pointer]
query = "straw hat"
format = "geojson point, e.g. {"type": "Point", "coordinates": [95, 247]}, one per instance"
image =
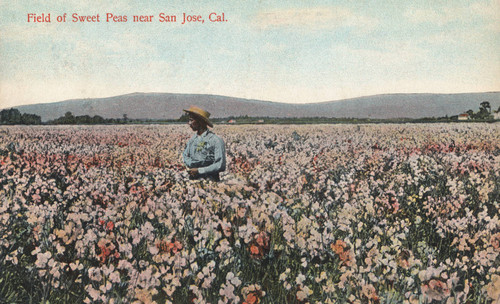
{"type": "Point", "coordinates": [200, 113]}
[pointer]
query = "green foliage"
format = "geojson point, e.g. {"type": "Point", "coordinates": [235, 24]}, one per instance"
{"type": "Point", "coordinates": [70, 119]}
{"type": "Point", "coordinates": [14, 117]}
{"type": "Point", "coordinates": [483, 114]}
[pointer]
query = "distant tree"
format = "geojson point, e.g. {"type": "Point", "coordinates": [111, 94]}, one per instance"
{"type": "Point", "coordinates": [84, 119]}
{"type": "Point", "coordinates": [484, 110]}
{"type": "Point", "coordinates": [485, 105]}
{"type": "Point", "coordinates": [97, 119]}
{"type": "Point", "coordinates": [31, 119]}
{"type": "Point", "coordinates": [68, 118]}
{"type": "Point", "coordinates": [10, 117]}
{"type": "Point", "coordinates": [184, 118]}
{"type": "Point", "coordinates": [14, 117]}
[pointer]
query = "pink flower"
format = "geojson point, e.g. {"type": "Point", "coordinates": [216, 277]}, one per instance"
{"type": "Point", "coordinates": [370, 293]}
{"type": "Point", "coordinates": [435, 290]}
{"type": "Point", "coordinates": [93, 293]}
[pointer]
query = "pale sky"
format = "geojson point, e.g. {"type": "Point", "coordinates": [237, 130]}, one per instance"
{"type": "Point", "coordinates": [287, 51]}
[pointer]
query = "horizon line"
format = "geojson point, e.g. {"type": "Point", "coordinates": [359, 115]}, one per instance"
{"type": "Point", "coordinates": [250, 99]}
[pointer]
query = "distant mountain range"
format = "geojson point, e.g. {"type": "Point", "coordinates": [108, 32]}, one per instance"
{"type": "Point", "coordinates": [169, 106]}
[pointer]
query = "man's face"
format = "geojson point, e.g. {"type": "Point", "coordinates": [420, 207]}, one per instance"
{"type": "Point", "coordinates": [194, 123]}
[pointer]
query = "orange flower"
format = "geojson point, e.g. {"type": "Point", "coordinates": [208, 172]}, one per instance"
{"type": "Point", "coordinates": [106, 248]}
{"type": "Point", "coordinates": [169, 247]}
{"type": "Point", "coordinates": [338, 247]}
{"type": "Point", "coordinates": [260, 245]}
{"type": "Point", "coordinates": [254, 250]}
{"type": "Point", "coordinates": [252, 294]}
{"type": "Point", "coordinates": [107, 225]}
{"type": "Point", "coordinates": [347, 257]}
{"type": "Point", "coordinates": [177, 246]}
{"type": "Point", "coordinates": [341, 248]}
{"type": "Point", "coordinates": [251, 298]}
{"type": "Point", "coordinates": [263, 239]}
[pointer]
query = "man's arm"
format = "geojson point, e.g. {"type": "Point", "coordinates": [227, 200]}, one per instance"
{"type": "Point", "coordinates": [219, 163]}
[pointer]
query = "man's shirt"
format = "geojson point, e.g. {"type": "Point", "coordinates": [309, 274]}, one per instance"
{"type": "Point", "coordinates": [205, 152]}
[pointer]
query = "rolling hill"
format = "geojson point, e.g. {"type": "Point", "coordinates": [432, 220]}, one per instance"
{"type": "Point", "coordinates": [169, 106]}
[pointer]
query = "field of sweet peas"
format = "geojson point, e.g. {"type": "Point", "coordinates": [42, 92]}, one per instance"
{"type": "Point", "coordinates": [303, 214]}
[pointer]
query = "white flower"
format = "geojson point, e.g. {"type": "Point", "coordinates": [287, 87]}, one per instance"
{"type": "Point", "coordinates": [42, 259]}
{"type": "Point", "coordinates": [230, 277]}
{"type": "Point", "coordinates": [304, 293]}
{"type": "Point", "coordinates": [300, 279]}
{"type": "Point", "coordinates": [95, 274]}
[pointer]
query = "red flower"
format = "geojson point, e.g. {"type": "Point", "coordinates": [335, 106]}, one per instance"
{"type": "Point", "coordinates": [254, 250]}
{"type": "Point", "coordinates": [251, 298]}
{"type": "Point", "coordinates": [341, 248]}
{"type": "Point", "coordinates": [338, 247]}
{"type": "Point", "coordinates": [169, 247]}
{"type": "Point", "coordinates": [260, 245]}
{"type": "Point", "coordinates": [110, 225]}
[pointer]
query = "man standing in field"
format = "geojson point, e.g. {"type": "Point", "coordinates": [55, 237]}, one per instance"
{"type": "Point", "coordinates": [205, 153]}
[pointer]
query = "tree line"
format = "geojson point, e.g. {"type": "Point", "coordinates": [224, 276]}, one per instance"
{"type": "Point", "coordinates": [14, 117]}
{"type": "Point", "coordinates": [70, 119]}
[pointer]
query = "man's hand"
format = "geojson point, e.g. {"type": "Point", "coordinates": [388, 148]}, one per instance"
{"type": "Point", "coordinates": [193, 171]}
